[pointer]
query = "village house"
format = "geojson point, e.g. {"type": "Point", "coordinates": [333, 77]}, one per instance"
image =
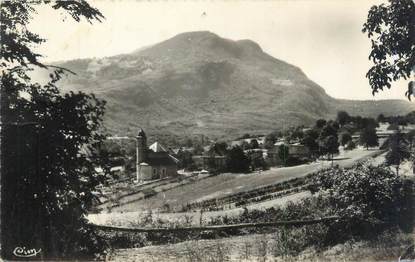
{"type": "Point", "coordinates": [273, 158]}
{"type": "Point", "coordinates": [256, 153]}
{"type": "Point", "coordinates": [117, 170]}
{"type": "Point", "coordinates": [239, 142]}
{"type": "Point", "coordinates": [256, 157]}
{"type": "Point", "coordinates": [209, 162]}
{"type": "Point", "coordinates": [294, 150]}
{"type": "Point", "coordinates": [182, 149]}
{"type": "Point", "coordinates": [153, 162]}
{"type": "Point", "coordinates": [298, 150]}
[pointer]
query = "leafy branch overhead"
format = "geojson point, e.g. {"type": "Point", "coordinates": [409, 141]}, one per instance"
{"type": "Point", "coordinates": [17, 41]}
{"type": "Point", "coordinates": [391, 29]}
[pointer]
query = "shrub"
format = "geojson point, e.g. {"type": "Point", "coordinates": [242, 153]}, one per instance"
{"type": "Point", "coordinates": [368, 198]}
{"type": "Point", "coordinates": [291, 241]}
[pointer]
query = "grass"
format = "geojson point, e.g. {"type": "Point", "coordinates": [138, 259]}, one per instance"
{"type": "Point", "coordinates": [269, 247]}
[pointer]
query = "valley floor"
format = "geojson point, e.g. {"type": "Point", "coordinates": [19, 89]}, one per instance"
{"type": "Point", "coordinates": [220, 186]}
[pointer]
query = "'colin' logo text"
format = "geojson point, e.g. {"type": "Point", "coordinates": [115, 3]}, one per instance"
{"type": "Point", "coordinates": [23, 252]}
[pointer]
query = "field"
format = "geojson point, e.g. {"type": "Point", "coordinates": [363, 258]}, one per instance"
{"type": "Point", "coordinates": [219, 186]}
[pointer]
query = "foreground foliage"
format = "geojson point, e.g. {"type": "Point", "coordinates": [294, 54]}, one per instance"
{"type": "Point", "coordinates": [48, 144]}
{"type": "Point", "coordinates": [369, 199]}
{"type": "Point", "coordinates": [373, 204]}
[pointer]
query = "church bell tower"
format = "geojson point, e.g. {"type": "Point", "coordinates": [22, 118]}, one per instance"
{"type": "Point", "coordinates": [141, 150]}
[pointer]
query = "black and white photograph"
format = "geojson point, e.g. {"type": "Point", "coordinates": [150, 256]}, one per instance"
{"type": "Point", "coordinates": [207, 130]}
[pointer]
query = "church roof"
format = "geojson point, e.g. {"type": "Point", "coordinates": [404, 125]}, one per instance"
{"type": "Point", "coordinates": [156, 147]}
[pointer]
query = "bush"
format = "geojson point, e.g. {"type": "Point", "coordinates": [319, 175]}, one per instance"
{"type": "Point", "coordinates": [292, 241]}
{"type": "Point", "coordinates": [369, 199]}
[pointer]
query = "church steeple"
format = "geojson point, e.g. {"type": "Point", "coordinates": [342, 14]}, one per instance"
{"type": "Point", "coordinates": [141, 151]}
{"type": "Point", "coordinates": [141, 133]}
{"type": "Point", "coordinates": [141, 146]}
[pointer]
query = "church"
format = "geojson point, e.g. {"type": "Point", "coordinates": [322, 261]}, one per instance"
{"type": "Point", "coordinates": [153, 162]}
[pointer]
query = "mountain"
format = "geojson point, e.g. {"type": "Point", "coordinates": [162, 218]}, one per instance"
{"type": "Point", "coordinates": [199, 83]}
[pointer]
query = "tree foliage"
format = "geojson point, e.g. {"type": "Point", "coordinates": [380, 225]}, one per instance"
{"type": "Point", "coordinates": [310, 141]}
{"type": "Point", "coordinates": [381, 118]}
{"type": "Point", "coordinates": [295, 134]}
{"type": "Point", "coordinates": [254, 144]}
{"type": "Point", "coordinates": [398, 150]}
{"type": "Point", "coordinates": [49, 143]}
{"type": "Point", "coordinates": [283, 153]}
{"type": "Point", "coordinates": [402, 120]}
{"type": "Point", "coordinates": [343, 118]}
{"type": "Point", "coordinates": [410, 136]}
{"type": "Point", "coordinates": [345, 138]}
{"type": "Point", "coordinates": [237, 161]}
{"type": "Point", "coordinates": [320, 123]}
{"type": "Point", "coordinates": [328, 140]}
{"type": "Point", "coordinates": [185, 159]}
{"type": "Point", "coordinates": [270, 140]}
{"type": "Point", "coordinates": [218, 148]}
{"type": "Point", "coordinates": [365, 122]}
{"type": "Point", "coordinates": [17, 40]}
{"type": "Point", "coordinates": [391, 29]}
{"type": "Point", "coordinates": [368, 198]}
{"type": "Point", "coordinates": [368, 137]}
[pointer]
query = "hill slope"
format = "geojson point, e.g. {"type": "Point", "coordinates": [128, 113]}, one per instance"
{"type": "Point", "coordinates": [200, 83]}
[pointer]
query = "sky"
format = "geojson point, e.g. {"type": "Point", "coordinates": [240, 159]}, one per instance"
{"type": "Point", "coordinates": [322, 37]}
